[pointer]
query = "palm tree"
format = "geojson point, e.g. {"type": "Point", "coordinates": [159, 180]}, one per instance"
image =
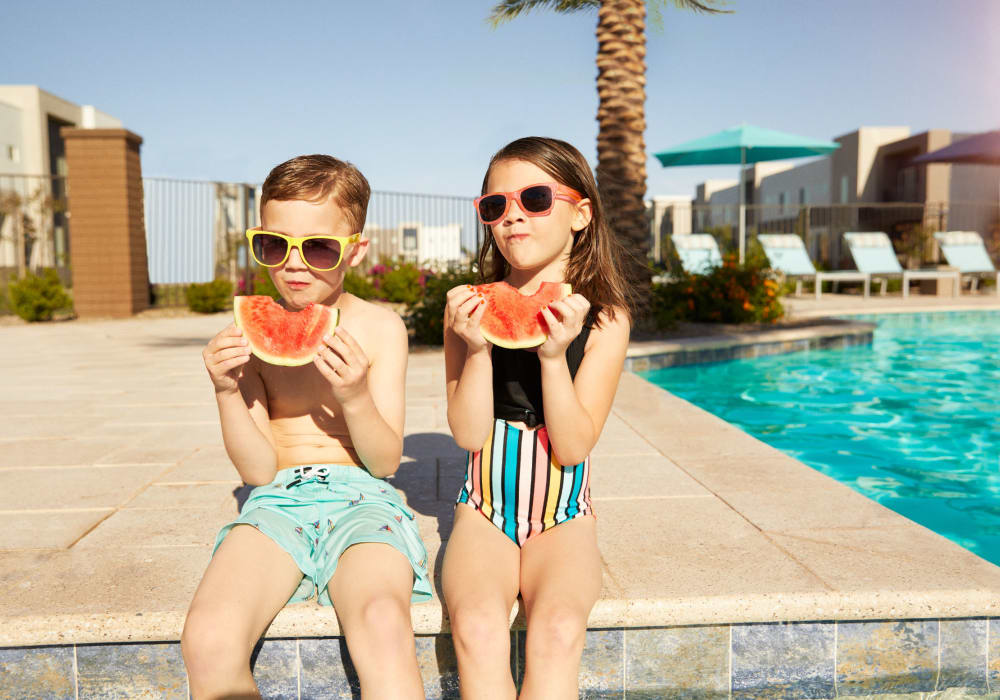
{"type": "Point", "coordinates": [621, 111]}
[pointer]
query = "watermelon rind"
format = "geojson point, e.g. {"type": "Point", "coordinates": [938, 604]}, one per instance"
{"type": "Point", "coordinates": [326, 319]}
{"type": "Point", "coordinates": [530, 304]}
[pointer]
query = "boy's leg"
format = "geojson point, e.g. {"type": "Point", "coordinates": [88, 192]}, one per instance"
{"type": "Point", "coordinates": [370, 590]}
{"type": "Point", "coordinates": [480, 581]}
{"type": "Point", "coordinates": [248, 581]}
{"type": "Point", "coordinates": [560, 582]}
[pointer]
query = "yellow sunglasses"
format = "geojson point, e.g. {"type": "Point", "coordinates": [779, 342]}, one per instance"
{"type": "Point", "coordinates": [321, 253]}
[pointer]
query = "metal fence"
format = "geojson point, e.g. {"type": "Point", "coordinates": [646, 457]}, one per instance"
{"type": "Point", "coordinates": [33, 225]}
{"type": "Point", "coordinates": [821, 227]}
{"type": "Point", "coordinates": [195, 231]}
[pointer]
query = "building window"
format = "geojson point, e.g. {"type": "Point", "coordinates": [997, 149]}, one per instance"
{"type": "Point", "coordinates": [13, 153]}
{"type": "Point", "coordinates": [410, 238]}
{"type": "Point", "coordinates": [844, 182]}
{"type": "Point", "coordinates": [802, 195]}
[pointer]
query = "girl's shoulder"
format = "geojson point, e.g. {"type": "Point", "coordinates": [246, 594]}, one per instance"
{"type": "Point", "coordinates": [610, 325]}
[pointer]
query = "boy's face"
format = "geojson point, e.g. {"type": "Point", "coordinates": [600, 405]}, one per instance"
{"type": "Point", "coordinates": [299, 284]}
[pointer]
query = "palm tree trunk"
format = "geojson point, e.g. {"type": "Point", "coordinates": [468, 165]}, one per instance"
{"type": "Point", "coordinates": [621, 115]}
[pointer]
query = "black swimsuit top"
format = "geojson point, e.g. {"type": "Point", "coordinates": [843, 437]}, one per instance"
{"type": "Point", "coordinates": [517, 379]}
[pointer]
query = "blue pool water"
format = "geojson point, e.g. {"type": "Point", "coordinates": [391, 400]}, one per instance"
{"type": "Point", "coordinates": [911, 421]}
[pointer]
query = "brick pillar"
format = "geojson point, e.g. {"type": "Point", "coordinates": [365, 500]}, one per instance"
{"type": "Point", "coordinates": [106, 227]}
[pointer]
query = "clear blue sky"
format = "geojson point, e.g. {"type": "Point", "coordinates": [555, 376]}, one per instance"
{"type": "Point", "coordinates": [420, 94]}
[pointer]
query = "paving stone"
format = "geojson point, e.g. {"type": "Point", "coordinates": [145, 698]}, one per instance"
{"type": "Point", "coordinates": [56, 529]}
{"type": "Point", "coordinates": [106, 487]}
{"type": "Point", "coordinates": [276, 669]}
{"type": "Point", "coordinates": [602, 665]}
{"type": "Point", "coordinates": [327, 672]}
{"type": "Point", "coordinates": [993, 654]}
{"type": "Point", "coordinates": [682, 662]}
{"type": "Point", "coordinates": [131, 671]}
{"type": "Point", "coordinates": [438, 666]}
{"type": "Point", "coordinates": [37, 672]}
{"type": "Point", "coordinates": [963, 664]}
{"type": "Point", "coordinates": [783, 660]}
{"type": "Point", "coordinates": [887, 657]}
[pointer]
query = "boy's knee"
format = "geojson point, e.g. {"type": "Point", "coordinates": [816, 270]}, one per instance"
{"type": "Point", "coordinates": [385, 616]}
{"type": "Point", "coordinates": [479, 631]}
{"type": "Point", "coordinates": [207, 647]}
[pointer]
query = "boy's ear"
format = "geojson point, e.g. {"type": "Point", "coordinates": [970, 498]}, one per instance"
{"type": "Point", "coordinates": [584, 213]}
{"type": "Point", "coordinates": [357, 252]}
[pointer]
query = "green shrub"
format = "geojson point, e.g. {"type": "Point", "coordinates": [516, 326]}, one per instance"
{"type": "Point", "coordinates": [426, 318]}
{"type": "Point", "coordinates": [209, 297]}
{"type": "Point", "coordinates": [38, 297]}
{"type": "Point", "coordinates": [401, 282]}
{"type": "Point", "coordinates": [359, 284]}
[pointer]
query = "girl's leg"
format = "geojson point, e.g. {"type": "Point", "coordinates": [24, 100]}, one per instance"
{"type": "Point", "coordinates": [479, 578]}
{"type": "Point", "coordinates": [560, 582]}
{"type": "Point", "coordinates": [371, 590]}
{"type": "Point", "coordinates": [248, 581]}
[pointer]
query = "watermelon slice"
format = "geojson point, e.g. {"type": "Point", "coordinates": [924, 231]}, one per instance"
{"type": "Point", "coordinates": [514, 320]}
{"type": "Point", "coordinates": [282, 337]}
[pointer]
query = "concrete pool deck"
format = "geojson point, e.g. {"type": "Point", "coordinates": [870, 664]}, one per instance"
{"type": "Point", "coordinates": [113, 483]}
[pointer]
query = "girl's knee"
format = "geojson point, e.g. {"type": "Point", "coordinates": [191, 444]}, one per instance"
{"type": "Point", "coordinates": [556, 631]}
{"type": "Point", "coordinates": [480, 631]}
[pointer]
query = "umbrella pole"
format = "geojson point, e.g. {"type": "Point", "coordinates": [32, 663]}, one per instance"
{"type": "Point", "coordinates": [742, 188]}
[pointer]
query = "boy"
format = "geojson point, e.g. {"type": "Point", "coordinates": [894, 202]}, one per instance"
{"type": "Point", "coordinates": [316, 441]}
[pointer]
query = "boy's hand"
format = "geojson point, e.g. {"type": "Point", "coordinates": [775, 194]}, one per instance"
{"type": "Point", "coordinates": [225, 356]}
{"type": "Point", "coordinates": [464, 312]}
{"type": "Point", "coordinates": [344, 364]}
{"type": "Point", "coordinates": [572, 312]}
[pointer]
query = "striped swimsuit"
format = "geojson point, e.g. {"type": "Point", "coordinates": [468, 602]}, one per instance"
{"type": "Point", "coordinates": [515, 480]}
{"type": "Point", "coordinates": [516, 483]}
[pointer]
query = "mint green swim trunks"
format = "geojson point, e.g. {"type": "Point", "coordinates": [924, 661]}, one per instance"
{"type": "Point", "coordinates": [316, 511]}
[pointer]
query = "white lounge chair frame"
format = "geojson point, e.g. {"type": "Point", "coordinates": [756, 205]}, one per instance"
{"type": "Point", "coordinates": [796, 264]}
{"type": "Point", "coordinates": [974, 267]}
{"type": "Point", "coordinates": [886, 265]}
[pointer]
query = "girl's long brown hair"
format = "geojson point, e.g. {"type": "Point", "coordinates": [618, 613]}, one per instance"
{"type": "Point", "coordinates": [597, 259]}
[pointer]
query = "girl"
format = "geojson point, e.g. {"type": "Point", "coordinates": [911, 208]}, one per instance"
{"type": "Point", "coordinates": [529, 419]}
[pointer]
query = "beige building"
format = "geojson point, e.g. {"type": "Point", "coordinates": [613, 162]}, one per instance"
{"type": "Point", "coordinates": [32, 172]}
{"type": "Point", "coordinates": [822, 198]}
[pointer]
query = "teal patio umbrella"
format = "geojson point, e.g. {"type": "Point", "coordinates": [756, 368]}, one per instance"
{"type": "Point", "coordinates": [743, 144]}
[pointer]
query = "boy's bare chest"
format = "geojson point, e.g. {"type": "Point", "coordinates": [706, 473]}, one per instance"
{"type": "Point", "coordinates": [297, 391]}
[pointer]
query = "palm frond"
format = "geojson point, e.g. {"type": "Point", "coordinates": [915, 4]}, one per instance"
{"type": "Point", "coordinates": [711, 7]}
{"type": "Point", "coordinates": [506, 10]}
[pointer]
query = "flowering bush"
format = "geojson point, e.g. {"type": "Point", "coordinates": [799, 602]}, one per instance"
{"type": "Point", "coordinates": [730, 293]}
{"type": "Point", "coordinates": [399, 282]}
{"type": "Point", "coordinates": [426, 318]}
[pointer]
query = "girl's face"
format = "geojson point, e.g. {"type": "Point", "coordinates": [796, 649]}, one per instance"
{"type": "Point", "coordinates": [533, 242]}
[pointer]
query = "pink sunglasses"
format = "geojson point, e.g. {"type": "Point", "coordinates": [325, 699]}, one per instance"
{"type": "Point", "coordinates": [534, 200]}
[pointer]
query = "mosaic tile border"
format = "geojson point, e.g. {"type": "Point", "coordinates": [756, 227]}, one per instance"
{"type": "Point", "coordinates": [739, 350]}
{"type": "Point", "coordinates": [782, 660]}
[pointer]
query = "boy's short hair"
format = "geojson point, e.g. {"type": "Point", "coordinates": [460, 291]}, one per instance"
{"type": "Point", "coordinates": [315, 177]}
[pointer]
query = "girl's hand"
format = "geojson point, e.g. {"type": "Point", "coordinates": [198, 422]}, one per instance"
{"type": "Point", "coordinates": [463, 314]}
{"type": "Point", "coordinates": [572, 312]}
{"type": "Point", "coordinates": [344, 364]}
{"type": "Point", "coordinates": [225, 356]}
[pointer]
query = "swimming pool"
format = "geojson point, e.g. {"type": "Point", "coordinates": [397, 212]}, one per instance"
{"type": "Point", "coordinates": [911, 421]}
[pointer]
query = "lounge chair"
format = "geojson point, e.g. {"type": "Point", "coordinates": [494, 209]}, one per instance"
{"type": "Point", "coordinates": [787, 254]}
{"type": "Point", "coordinates": [698, 252]}
{"type": "Point", "coordinates": [873, 253]}
{"type": "Point", "coordinates": [966, 251]}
